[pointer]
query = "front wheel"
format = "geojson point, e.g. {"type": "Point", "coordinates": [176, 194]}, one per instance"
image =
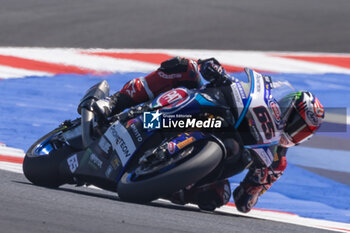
{"type": "Point", "coordinates": [204, 158]}
{"type": "Point", "coordinates": [41, 165]}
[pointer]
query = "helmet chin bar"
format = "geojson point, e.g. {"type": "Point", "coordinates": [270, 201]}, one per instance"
{"type": "Point", "coordinates": [305, 139]}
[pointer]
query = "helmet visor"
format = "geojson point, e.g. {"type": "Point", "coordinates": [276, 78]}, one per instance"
{"type": "Point", "coordinates": [286, 105]}
{"type": "Point", "coordinates": [296, 127]}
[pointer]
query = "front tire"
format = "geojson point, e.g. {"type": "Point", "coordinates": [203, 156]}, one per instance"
{"type": "Point", "coordinates": [45, 170]}
{"type": "Point", "coordinates": [190, 171]}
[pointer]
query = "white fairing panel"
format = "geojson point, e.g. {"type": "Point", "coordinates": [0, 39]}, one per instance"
{"type": "Point", "coordinates": [263, 116]}
{"type": "Point", "coordinates": [121, 141]}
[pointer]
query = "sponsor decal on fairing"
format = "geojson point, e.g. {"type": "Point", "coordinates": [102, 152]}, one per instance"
{"type": "Point", "coordinates": [171, 147]}
{"type": "Point", "coordinates": [238, 98]}
{"type": "Point", "coordinates": [73, 163]}
{"type": "Point", "coordinates": [241, 90]}
{"type": "Point", "coordinates": [186, 142]}
{"type": "Point", "coordinates": [121, 141]}
{"type": "Point", "coordinates": [95, 162]}
{"type": "Point", "coordinates": [136, 133]}
{"type": "Point", "coordinates": [104, 145]}
{"type": "Point", "coordinates": [115, 162]}
{"type": "Point", "coordinates": [177, 96]}
{"type": "Point", "coordinates": [276, 112]}
{"type": "Point", "coordinates": [109, 171]}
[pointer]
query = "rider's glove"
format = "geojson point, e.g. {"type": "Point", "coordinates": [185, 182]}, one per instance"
{"type": "Point", "coordinates": [212, 71]}
{"type": "Point", "coordinates": [102, 109]}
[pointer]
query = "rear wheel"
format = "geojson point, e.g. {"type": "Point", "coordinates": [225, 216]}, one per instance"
{"type": "Point", "coordinates": [143, 184]}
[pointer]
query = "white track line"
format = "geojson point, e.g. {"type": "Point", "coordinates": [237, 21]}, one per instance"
{"type": "Point", "coordinates": [10, 151]}
{"type": "Point", "coordinates": [267, 61]}
{"type": "Point", "coordinates": [76, 58]}
{"type": "Point", "coordinates": [10, 72]}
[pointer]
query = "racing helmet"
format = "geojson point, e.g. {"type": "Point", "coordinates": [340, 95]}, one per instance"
{"type": "Point", "coordinates": [302, 114]}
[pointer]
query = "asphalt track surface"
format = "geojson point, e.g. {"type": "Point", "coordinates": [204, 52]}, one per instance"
{"type": "Point", "coordinates": [33, 209]}
{"type": "Point", "coordinates": [288, 25]}
{"type": "Point", "coordinates": [298, 25]}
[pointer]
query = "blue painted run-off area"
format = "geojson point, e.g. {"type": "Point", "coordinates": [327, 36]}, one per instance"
{"type": "Point", "coordinates": [33, 106]}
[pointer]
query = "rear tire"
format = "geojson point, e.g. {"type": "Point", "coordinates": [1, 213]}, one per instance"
{"type": "Point", "coordinates": [199, 165]}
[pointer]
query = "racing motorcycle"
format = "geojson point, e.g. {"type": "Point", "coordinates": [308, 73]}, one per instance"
{"type": "Point", "coordinates": [132, 155]}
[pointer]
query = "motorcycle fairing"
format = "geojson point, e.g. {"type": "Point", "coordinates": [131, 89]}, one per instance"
{"type": "Point", "coordinates": [43, 148]}
{"type": "Point", "coordinates": [122, 140]}
{"type": "Point", "coordinates": [107, 156]}
{"type": "Point", "coordinates": [260, 110]}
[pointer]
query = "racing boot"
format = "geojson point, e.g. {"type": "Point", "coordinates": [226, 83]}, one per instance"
{"type": "Point", "coordinates": [207, 197]}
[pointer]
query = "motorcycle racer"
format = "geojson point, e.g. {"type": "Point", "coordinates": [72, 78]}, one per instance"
{"type": "Point", "coordinates": [302, 116]}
